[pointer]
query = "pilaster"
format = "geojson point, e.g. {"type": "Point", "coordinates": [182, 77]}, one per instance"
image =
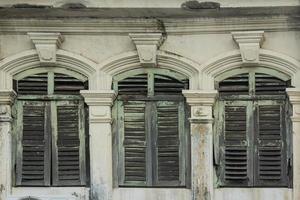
{"type": "Point", "coordinates": [6, 100]}
{"type": "Point", "coordinates": [201, 103]}
{"type": "Point", "coordinates": [100, 102]}
{"type": "Point", "coordinates": [294, 96]}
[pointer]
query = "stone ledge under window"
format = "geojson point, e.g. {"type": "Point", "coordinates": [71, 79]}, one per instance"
{"type": "Point", "coordinates": [50, 193]}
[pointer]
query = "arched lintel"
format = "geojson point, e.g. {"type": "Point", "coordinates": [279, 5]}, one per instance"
{"type": "Point", "coordinates": [274, 63]}
{"type": "Point", "coordinates": [166, 60]}
{"type": "Point", "coordinates": [27, 62]}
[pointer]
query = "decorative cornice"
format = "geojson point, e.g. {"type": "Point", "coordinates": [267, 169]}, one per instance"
{"type": "Point", "coordinates": [99, 97]}
{"type": "Point", "coordinates": [200, 97]}
{"type": "Point", "coordinates": [46, 45]}
{"type": "Point", "coordinates": [195, 25]}
{"type": "Point", "coordinates": [147, 45]}
{"type": "Point", "coordinates": [7, 97]}
{"type": "Point", "coordinates": [249, 43]}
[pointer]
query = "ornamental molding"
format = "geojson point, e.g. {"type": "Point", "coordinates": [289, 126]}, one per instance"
{"type": "Point", "coordinates": [7, 97]}
{"type": "Point", "coordinates": [249, 43]}
{"type": "Point", "coordinates": [166, 60]}
{"type": "Point", "coordinates": [126, 26]}
{"type": "Point", "coordinates": [46, 45]}
{"type": "Point", "coordinates": [147, 45]}
{"type": "Point", "coordinates": [200, 99]}
{"type": "Point", "coordinates": [99, 98]}
{"type": "Point", "coordinates": [16, 64]}
{"type": "Point", "coordinates": [227, 62]}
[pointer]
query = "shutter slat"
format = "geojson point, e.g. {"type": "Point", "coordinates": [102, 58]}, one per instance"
{"type": "Point", "coordinates": [68, 145]}
{"type": "Point", "coordinates": [167, 142]}
{"type": "Point", "coordinates": [235, 141]}
{"type": "Point", "coordinates": [34, 145]}
{"type": "Point", "coordinates": [269, 85]}
{"type": "Point", "coordinates": [165, 85]}
{"type": "Point", "coordinates": [236, 85]}
{"type": "Point", "coordinates": [134, 141]}
{"type": "Point", "coordinates": [67, 85]}
{"type": "Point", "coordinates": [34, 84]}
{"type": "Point", "coordinates": [271, 154]}
{"type": "Point", "coordinates": [133, 85]}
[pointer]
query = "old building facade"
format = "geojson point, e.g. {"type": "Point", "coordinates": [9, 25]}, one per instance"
{"type": "Point", "coordinates": [151, 100]}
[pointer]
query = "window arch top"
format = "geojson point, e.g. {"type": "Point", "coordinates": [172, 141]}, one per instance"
{"type": "Point", "coordinates": [150, 82]}
{"type": "Point", "coordinates": [252, 84]}
{"type": "Point", "coordinates": [49, 83]}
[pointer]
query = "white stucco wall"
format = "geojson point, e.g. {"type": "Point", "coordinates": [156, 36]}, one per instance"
{"type": "Point", "coordinates": [197, 47]}
{"type": "Point", "coordinates": [152, 3]}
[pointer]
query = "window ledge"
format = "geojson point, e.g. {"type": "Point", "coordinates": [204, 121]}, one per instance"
{"type": "Point", "coordinates": [253, 193]}
{"type": "Point", "coordinates": [151, 193]}
{"type": "Point", "coordinates": [49, 193]}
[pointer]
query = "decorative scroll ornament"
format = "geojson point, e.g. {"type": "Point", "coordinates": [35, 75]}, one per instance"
{"type": "Point", "coordinates": [46, 45]}
{"type": "Point", "coordinates": [147, 45]}
{"type": "Point", "coordinates": [249, 43]}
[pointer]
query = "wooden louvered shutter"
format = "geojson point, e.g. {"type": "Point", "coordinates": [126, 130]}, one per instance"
{"type": "Point", "coordinates": [270, 162]}
{"type": "Point", "coordinates": [68, 152]}
{"type": "Point", "coordinates": [170, 142]}
{"type": "Point", "coordinates": [33, 85]}
{"type": "Point", "coordinates": [133, 146]}
{"type": "Point", "coordinates": [235, 142]}
{"type": "Point", "coordinates": [67, 85]}
{"type": "Point", "coordinates": [33, 156]}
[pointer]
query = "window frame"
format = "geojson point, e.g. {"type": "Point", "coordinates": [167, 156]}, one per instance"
{"type": "Point", "coordinates": [51, 101]}
{"type": "Point", "coordinates": [252, 103]}
{"type": "Point", "coordinates": [150, 99]}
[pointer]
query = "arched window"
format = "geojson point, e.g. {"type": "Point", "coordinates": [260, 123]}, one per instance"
{"type": "Point", "coordinates": [50, 130]}
{"type": "Point", "coordinates": [151, 126]}
{"type": "Point", "coordinates": [254, 140]}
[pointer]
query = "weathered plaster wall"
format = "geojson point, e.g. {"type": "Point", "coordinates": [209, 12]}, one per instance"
{"type": "Point", "coordinates": [152, 3]}
{"type": "Point", "coordinates": [198, 47]}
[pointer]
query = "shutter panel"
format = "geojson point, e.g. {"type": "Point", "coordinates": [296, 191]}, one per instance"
{"type": "Point", "coordinates": [33, 85]}
{"type": "Point", "coordinates": [67, 85]}
{"type": "Point", "coordinates": [235, 85]}
{"type": "Point", "coordinates": [134, 142]}
{"type": "Point", "coordinates": [134, 85]}
{"type": "Point", "coordinates": [70, 159]}
{"type": "Point", "coordinates": [271, 157]}
{"type": "Point", "coordinates": [235, 144]}
{"type": "Point", "coordinates": [269, 85]}
{"type": "Point", "coordinates": [168, 144]}
{"type": "Point", "coordinates": [165, 85]}
{"type": "Point", "coordinates": [33, 151]}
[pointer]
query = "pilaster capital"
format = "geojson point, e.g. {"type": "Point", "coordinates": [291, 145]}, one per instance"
{"type": "Point", "coordinates": [147, 45]}
{"type": "Point", "coordinates": [200, 97]}
{"type": "Point", "coordinates": [46, 45]}
{"type": "Point", "coordinates": [249, 43]}
{"type": "Point", "coordinates": [294, 95]}
{"type": "Point", "coordinates": [201, 102]}
{"type": "Point", "coordinates": [7, 97]}
{"type": "Point", "coordinates": [99, 97]}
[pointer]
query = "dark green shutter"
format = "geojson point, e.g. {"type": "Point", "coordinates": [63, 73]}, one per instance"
{"type": "Point", "coordinates": [168, 143]}
{"type": "Point", "coordinates": [33, 85]}
{"type": "Point", "coordinates": [271, 146]}
{"type": "Point", "coordinates": [134, 142]}
{"type": "Point", "coordinates": [235, 146]}
{"type": "Point", "coordinates": [33, 150]}
{"type": "Point", "coordinates": [69, 152]}
{"type": "Point", "coordinates": [151, 127]}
